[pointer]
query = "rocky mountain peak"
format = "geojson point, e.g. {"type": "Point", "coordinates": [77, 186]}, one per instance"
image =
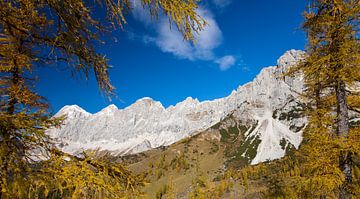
{"type": "Point", "coordinates": [72, 111]}
{"type": "Point", "coordinates": [109, 110]}
{"type": "Point", "coordinates": [146, 102]}
{"type": "Point", "coordinates": [267, 101]}
{"type": "Point", "coordinates": [289, 58]}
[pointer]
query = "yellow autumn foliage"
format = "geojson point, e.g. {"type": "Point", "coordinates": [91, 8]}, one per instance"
{"type": "Point", "coordinates": [49, 33]}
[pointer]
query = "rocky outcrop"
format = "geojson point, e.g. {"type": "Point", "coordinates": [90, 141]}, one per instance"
{"type": "Point", "coordinates": [270, 101]}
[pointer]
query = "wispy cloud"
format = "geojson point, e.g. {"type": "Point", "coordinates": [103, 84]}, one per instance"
{"type": "Point", "coordinates": [170, 40]}
{"type": "Point", "coordinates": [226, 62]}
{"type": "Point", "coordinates": [140, 13]}
{"type": "Point", "coordinates": [221, 3]}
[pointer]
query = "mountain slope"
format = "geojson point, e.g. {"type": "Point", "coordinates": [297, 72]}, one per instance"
{"type": "Point", "coordinates": [206, 156]}
{"type": "Point", "coordinates": [267, 107]}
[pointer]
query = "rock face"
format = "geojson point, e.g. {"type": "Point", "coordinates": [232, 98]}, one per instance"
{"type": "Point", "coordinates": [269, 102]}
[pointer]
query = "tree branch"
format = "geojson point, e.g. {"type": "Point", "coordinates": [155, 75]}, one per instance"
{"type": "Point", "coordinates": [353, 109]}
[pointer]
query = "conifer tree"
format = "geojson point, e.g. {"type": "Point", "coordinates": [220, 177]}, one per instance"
{"type": "Point", "coordinates": [44, 33]}
{"type": "Point", "coordinates": [331, 73]}
{"type": "Point", "coordinates": [327, 162]}
{"type": "Point", "coordinates": [324, 165]}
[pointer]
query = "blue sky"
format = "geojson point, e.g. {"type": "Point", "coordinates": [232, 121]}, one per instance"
{"type": "Point", "coordinates": [150, 60]}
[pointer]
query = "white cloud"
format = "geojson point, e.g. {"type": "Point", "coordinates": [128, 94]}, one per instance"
{"type": "Point", "coordinates": [226, 62]}
{"type": "Point", "coordinates": [170, 40]}
{"type": "Point", "coordinates": [208, 39]}
{"type": "Point", "coordinates": [221, 3]}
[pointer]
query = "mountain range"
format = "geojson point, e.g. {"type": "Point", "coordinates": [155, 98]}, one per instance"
{"type": "Point", "coordinates": [267, 113]}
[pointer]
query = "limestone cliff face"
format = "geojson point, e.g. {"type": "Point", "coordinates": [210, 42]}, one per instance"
{"type": "Point", "coordinates": [269, 101]}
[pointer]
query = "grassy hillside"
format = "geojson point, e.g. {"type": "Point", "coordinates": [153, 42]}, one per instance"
{"type": "Point", "coordinates": [201, 162]}
{"type": "Point", "coordinates": [201, 167]}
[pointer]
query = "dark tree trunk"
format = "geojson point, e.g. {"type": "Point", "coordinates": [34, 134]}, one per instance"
{"type": "Point", "coordinates": [12, 100]}
{"type": "Point", "coordinates": [343, 131]}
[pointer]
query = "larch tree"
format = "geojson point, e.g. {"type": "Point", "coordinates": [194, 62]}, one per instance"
{"type": "Point", "coordinates": [325, 160]}
{"type": "Point", "coordinates": [327, 164]}
{"type": "Point", "coordinates": [43, 33]}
